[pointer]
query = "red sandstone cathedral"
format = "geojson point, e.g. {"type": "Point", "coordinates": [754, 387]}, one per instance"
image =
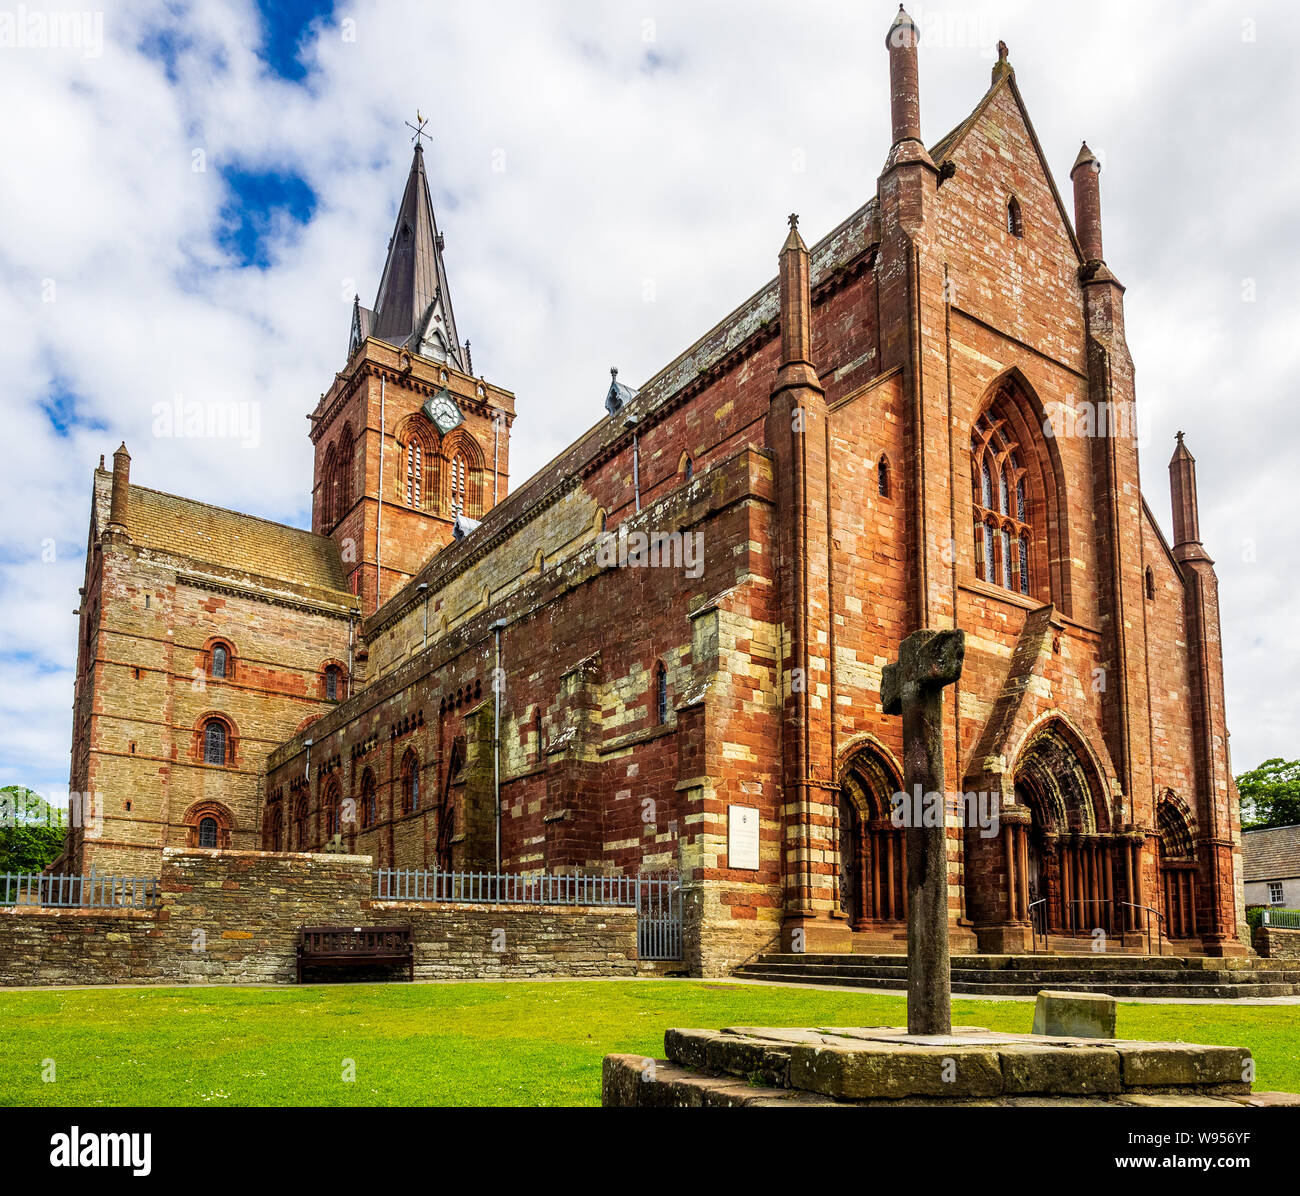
{"type": "Point", "coordinates": [923, 421]}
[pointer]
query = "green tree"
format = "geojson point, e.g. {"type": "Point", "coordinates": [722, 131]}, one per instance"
{"type": "Point", "coordinates": [1270, 794]}
{"type": "Point", "coordinates": [31, 830]}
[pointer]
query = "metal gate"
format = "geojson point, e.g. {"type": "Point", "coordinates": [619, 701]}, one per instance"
{"type": "Point", "coordinates": [659, 917]}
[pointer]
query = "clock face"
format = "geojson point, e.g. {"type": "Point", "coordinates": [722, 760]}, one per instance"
{"type": "Point", "coordinates": [442, 410]}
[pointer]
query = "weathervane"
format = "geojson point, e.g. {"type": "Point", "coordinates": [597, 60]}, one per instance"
{"type": "Point", "coordinates": [420, 122]}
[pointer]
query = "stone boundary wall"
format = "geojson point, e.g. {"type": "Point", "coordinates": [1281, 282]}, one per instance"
{"type": "Point", "coordinates": [1277, 942]}
{"type": "Point", "coordinates": [232, 917]}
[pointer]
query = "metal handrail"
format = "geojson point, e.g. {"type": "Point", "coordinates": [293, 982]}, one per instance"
{"type": "Point", "coordinates": [1111, 902]}
{"type": "Point", "coordinates": [1033, 930]}
{"type": "Point", "coordinates": [1159, 922]}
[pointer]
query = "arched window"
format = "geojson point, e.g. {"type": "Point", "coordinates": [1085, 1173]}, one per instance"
{"type": "Point", "coordinates": [220, 658]}
{"type": "Point", "coordinates": [410, 783]}
{"type": "Point", "coordinates": [343, 490]}
{"type": "Point", "coordinates": [661, 694]}
{"type": "Point", "coordinates": [459, 484]}
{"type": "Point", "coordinates": [1015, 223]}
{"type": "Point", "coordinates": [999, 495]}
{"type": "Point", "coordinates": [369, 805]}
{"type": "Point", "coordinates": [414, 473]}
{"type": "Point", "coordinates": [882, 476]}
{"type": "Point", "coordinates": [1151, 583]}
{"type": "Point", "coordinates": [332, 800]}
{"type": "Point", "coordinates": [275, 830]}
{"type": "Point", "coordinates": [300, 823]}
{"type": "Point", "coordinates": [328, 480]}
{"type": "Point", "coordinates": [537, 733]}
{"type": "Point", "coordinates": [688, 469]}
{"type": "Point", "coordinates": [214, 742]}
{"type": "Point", "coordinates": [209, 824]}
{"type": "Point", "coordinates": [332, 683]}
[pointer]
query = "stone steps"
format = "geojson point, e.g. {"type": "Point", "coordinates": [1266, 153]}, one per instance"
{"type": "Point", "coordinates": [1025, 975]}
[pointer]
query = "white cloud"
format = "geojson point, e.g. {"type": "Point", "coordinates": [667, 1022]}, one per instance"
{"type": "Point", "coordinates": [617, 169]}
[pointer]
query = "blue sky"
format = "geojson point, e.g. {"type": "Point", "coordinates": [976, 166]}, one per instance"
{"type": "Point", "coordinates": [191, 204]}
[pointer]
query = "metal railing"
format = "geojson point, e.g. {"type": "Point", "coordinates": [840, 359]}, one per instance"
{"type": "Point", "coordinates": [1101, 910]}
{"type": "Point", "coordinates": [656, 899]}
{"type": "Point", "coordinates": [510, 888]}
{"type": "Point", "coordinates": [1160, 921]}
{"type": "Point", "coordinates": [1288, 919]}
{"type": "Point", "coordinates": [1033, 926]}
{"type": "Point", "coordinates": [96, 891]}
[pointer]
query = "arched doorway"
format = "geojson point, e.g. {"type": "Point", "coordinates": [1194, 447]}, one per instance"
{"type": "Point", "coordinates": [1177, 857]}
{"type": "Point", "coordinates": [873, 851]}
{"type": "Point", "coordinates": [1070, 870]}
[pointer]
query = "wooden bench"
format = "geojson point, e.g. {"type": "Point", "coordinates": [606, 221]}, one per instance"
{"type": "Point", "coordinates": [352, 946]}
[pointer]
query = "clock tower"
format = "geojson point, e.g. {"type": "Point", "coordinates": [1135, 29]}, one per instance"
{"type": "Point", "coordinates": [412, 449]}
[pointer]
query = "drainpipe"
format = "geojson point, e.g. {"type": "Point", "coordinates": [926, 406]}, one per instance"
{"type": "Point", "coordinates": [306, 772]}
{"type": "Point", "coordinates": [423, 588]}
{"type": "Point", "coordinates": [630, 422]}
{"type": "Point", "coordinates": [351, 632]}
{"type": "Point", "coordinates": [497, 628]}
{"type": "Point", "coordinates": [379, 523]}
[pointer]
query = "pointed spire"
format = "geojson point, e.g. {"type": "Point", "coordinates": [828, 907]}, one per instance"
{"type": "Point", "coordinates": [1087, 203]}
{"type": "Point", "coordinates": [120, 497]}
{"type": "Point", "coordinates": [904, 89]}
{"type": "Point", "coordinates": [413, 306]}
{"type": "Point", "coordinates": [1182, 491]}
{"type": "Point", "coordinates": [796, 313]}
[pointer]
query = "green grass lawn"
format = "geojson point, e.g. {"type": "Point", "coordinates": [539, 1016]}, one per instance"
{"type": "Point", "coordinates": [465, 1044]}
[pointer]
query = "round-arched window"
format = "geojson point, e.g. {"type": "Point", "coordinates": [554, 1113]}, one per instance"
{"type": "Point", "coordinates": [214, 742]}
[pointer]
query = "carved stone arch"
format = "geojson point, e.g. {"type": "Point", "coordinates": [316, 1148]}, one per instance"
{"type": "Point", "coordinates": [1178, 870]}
{"type": "Point", "coordinates": [416, 477]}
{"type": "Point", "coordinates": [409, 773]}
{"type": "Point", "coordinates": [210, 824]}
{"type": "Point", "coordinates": [340, 668]}
{"type": "Point", "coordinates": [328, 486]}
{"type": "Point", "coordinates": [1010, 408]}
{"type": "Point", "coordinates": [216, 666]}
{"type": "Point", "coordinates": [1175, 826]}
{"type": "Point", "coordinates": [462, 465]}
{"type": "Point", "coordinates": [1061, 778]}
{"type": "Point", "coordinates": [871, 883]}
{"type": "Point", "coordinates": [345, 489]}
{"type": "Point", "coordinates": [231, 742]}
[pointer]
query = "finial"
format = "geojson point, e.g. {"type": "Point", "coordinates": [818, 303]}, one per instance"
{"type": "Point", "coordinates": [1002, 66]}
{"type": "Point", "coordinates": [420, 122]}
{"type": "Point", "coordinates": [613, 371]}
{"type": "Point", "coordinates": [794, 216]}
{"type": "Point", "coordinates": [1179, 437]}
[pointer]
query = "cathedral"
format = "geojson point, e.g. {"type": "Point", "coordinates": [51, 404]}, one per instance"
{"type": "Point", "coordinates": [663, 652]}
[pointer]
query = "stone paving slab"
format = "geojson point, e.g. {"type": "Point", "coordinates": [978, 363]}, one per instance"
{"type": "Point", "coordinates": [633, 1081]}
{"type": "Point", "coordinates": [884, 1062]}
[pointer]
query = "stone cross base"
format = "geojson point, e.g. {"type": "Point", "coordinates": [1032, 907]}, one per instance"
{"type": "Point", "coordinates": [885, 1066]}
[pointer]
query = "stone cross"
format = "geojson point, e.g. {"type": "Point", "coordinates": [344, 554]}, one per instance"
{"type": "Point", "coordinates": [913, 687]}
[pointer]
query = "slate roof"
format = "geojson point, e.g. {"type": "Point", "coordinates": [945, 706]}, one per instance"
{"type": "Point", "coordinates": [413, 291]}
{"type": "Point", "coordinates": [1271, 853]}
{"type": "Point", "coordinates": [228, 540]}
